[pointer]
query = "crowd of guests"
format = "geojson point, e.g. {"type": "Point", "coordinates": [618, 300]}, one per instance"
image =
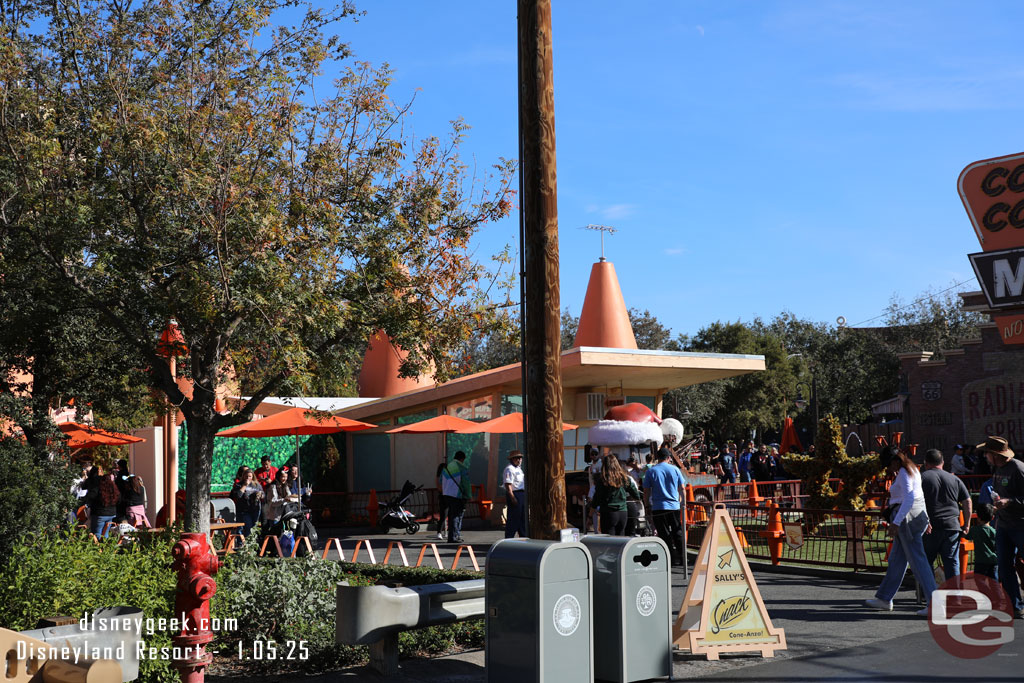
{"type": "Point", "coordinates": [627, 493]}
{"type": "Point", "coordinates": [110, 500]}
{"type": "Point", "coordinates": [930, 509]}
{"type": "Point", "coordinates": [749, 463]}
{"type": "Point", "coordinates": [116, 501]}
{"type": "Point", "coordinates": [261, 494]}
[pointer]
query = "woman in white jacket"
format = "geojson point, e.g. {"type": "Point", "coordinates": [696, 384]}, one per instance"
{"type": "Point", "coordinates": [910, 521]}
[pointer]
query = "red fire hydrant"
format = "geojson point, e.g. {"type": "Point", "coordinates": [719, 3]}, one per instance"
{"type": "Point", "coordinates": [196, 566]}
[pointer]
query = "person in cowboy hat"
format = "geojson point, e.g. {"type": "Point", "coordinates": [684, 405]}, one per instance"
{"type": "Point", "coordinates": [1008, 501]}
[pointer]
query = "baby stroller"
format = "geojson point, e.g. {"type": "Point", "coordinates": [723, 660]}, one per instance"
{"type": "Point", "coordinates": [394, 516]}
{"type": "Point", "coordinates": [294, 522]}
{"type": "Point", "coordinates": [636, 519]}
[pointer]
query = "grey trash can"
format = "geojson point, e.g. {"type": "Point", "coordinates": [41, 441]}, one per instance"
{"type": "Point", "coordinates": [538, 608]}
{"type": "Point", "coordinates": [632, 608]}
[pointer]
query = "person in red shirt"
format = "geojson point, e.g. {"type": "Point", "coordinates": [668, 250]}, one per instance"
{"type": "Point", "coordinates": [266, 472]}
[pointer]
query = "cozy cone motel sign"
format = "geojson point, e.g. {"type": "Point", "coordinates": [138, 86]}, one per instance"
{"type": "Point", "coordinates": [993, 194]}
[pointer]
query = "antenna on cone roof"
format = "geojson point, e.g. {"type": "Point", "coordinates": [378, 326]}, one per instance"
{"type": "Point", "coordinates": [602, 229]}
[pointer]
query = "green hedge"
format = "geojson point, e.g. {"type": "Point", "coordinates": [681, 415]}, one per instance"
{"type": "Point", "coordinates": [289, 600]}
{"type": "Point", "coordinates": [66, 573]}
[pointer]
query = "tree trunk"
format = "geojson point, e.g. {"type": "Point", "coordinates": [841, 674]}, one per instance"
{"type": "Point", "coordinates": [199, 473]}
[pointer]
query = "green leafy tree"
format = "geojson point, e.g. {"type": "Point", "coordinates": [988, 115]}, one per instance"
{"type": "Point", "coordinates": [34, 492]}
{"type": "Point", "coordinates": [741, 404]}
{"type": "Point", "coordinates": [570, 326]}
{"type": "Point", "coordinates": [650, 333]}
{"type": "Point", "coordinates": [174, 160]}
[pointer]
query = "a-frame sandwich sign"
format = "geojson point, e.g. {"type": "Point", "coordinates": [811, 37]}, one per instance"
{"type": "Point", "coordinates": [723, 610]}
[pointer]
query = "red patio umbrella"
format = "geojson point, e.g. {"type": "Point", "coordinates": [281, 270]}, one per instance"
{"type": "Point", "coordinates": [790, 440]}
{"type": "Point", "coordinates": [89, 436]}
{"type": "Point", "coordinates": [506, 424]}
{"type": "Point", "coordinates": [297, 421]}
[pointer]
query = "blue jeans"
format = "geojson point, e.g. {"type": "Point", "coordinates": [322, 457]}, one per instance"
{"type": "Point", "coordinates": [908, 547]}
{"type": "Point", "coordinates": [456, 509]}
{"type": "Point", "coordinates": [1009, 543]}
{"type": "Point", "coordinates": [946, 544]}
{"type": "Point", "coordinates": [515, 516]}
{"type": "Point", "coordinates": [249, 519]}
{"type": "Point", "coordinates": [98, 523]}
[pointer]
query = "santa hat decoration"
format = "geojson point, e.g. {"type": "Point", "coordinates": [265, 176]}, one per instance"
{"type": "Point", "coordinates": [628, 424]}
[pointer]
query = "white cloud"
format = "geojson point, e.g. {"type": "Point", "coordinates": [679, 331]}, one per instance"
{"type": "Point", "coordinates": [951, 92]}
{"type": "Point", "coordinates": [674, 251]}
{"type": "Point", "coordinates": [700, 30]}
{"type": "Point", "coordinates": [616, 211]}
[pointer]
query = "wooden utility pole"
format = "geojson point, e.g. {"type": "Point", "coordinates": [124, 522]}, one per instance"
{"type": "Point", "coordinates": [545, 464]}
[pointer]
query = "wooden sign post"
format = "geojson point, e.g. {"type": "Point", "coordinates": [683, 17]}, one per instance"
{"type": "Point", "coordinates": [723, 610]}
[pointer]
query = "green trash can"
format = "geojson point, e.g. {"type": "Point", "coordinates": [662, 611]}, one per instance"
{"type": "Point", "coordinates": [538, 601]}
{"type": "Point", "coordinates": [632, 608]}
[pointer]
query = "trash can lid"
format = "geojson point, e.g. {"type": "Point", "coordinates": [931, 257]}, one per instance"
{"type": "Point", "coordinates": [532, 558]}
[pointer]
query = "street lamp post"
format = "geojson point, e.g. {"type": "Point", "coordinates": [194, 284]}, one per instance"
{"type": "Point", "coordinates": [684, 417]}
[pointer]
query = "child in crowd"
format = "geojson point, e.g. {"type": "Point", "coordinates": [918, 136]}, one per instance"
{"type": "Point", "coordinates": [984, 536]}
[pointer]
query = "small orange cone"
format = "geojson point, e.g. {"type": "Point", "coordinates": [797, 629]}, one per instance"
{"type": "Point", "coordinates": [753, 497]}
{"type": "Point", "coordinates": [965, 547]}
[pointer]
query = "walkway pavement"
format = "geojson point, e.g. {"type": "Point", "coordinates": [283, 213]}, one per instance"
{"type": "Point", "coordinates": [830, 635]}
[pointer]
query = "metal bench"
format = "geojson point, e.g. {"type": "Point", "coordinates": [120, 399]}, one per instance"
{"type": "Point", "coordinates": [375, 615]}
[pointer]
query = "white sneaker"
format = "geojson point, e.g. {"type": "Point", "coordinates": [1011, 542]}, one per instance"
{"type": "Point", "coordinates": [875, 603]}
{"type": "Point", "coordinates": [923, 612]}
{"type": "Point", "coordinates": [441, 536]}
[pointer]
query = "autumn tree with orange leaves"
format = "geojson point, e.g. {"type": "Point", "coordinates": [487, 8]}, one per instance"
{"type": "Point", "coordinates": [182, 160]}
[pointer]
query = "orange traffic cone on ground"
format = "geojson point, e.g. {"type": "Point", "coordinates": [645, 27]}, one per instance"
{"type": "Point", "coordinates": [696, 514]}
{"type": "Point", "coordinates": [966, 546]}
{"type": "Point", "coordinates": [774, 533]}
{"type": "Point", "coordinates": [753, 497]}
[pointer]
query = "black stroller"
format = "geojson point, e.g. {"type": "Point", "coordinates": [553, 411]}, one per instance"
{"type": "Point", "coordinates": [296, 520]}
{"type": "Point", "coordinates": [393, 515]}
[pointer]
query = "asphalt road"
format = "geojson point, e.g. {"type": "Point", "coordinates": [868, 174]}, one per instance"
{"type": "Point", "coordinates": [830, 635]}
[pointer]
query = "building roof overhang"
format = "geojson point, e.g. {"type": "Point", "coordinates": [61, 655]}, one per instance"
{"type": "Point", "coordinates": [583, 367]}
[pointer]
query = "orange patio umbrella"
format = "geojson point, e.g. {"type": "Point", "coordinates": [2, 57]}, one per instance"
{"type": "Point", "coordinates": [442, 424]}
{"type": "Point", "coordinates": [506, 424]}
{"type": "Point", "coordinates": [790, 440]}
{"type": "Point", "coordinates": [89, 436]}
{"type": "Point", "coordinates": [297, 421]}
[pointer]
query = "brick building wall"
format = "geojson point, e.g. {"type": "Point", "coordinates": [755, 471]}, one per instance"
{"type": "Point", "coordinates": [973, 392]}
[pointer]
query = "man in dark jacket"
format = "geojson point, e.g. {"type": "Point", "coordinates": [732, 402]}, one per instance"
{"type": "Point", "coordinates": [944, 493]}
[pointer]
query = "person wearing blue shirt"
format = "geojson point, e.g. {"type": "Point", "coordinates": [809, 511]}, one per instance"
{"type": "Point", "coordinates": [726, 466]}
{"type": "Point", "coordinates": [744, 461]}
{"type": "Point", "coordinates": [663, 486]}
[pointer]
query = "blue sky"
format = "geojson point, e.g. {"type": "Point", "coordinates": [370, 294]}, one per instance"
{"type": "Point", "coordinates": [755, 157]}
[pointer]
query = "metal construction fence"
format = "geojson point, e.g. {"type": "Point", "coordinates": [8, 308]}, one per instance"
{"type": "Point", "coordinates": [849, 539]}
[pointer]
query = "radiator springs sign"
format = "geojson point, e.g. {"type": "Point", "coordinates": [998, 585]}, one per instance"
{"type": "Point", "coordinates": [992, 191]}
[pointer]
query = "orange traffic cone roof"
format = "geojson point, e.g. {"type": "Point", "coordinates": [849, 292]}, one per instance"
{"type": "Point", "coordinates": [379, 375]}
{"type": "Point", "coordinates": [604, 321]}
